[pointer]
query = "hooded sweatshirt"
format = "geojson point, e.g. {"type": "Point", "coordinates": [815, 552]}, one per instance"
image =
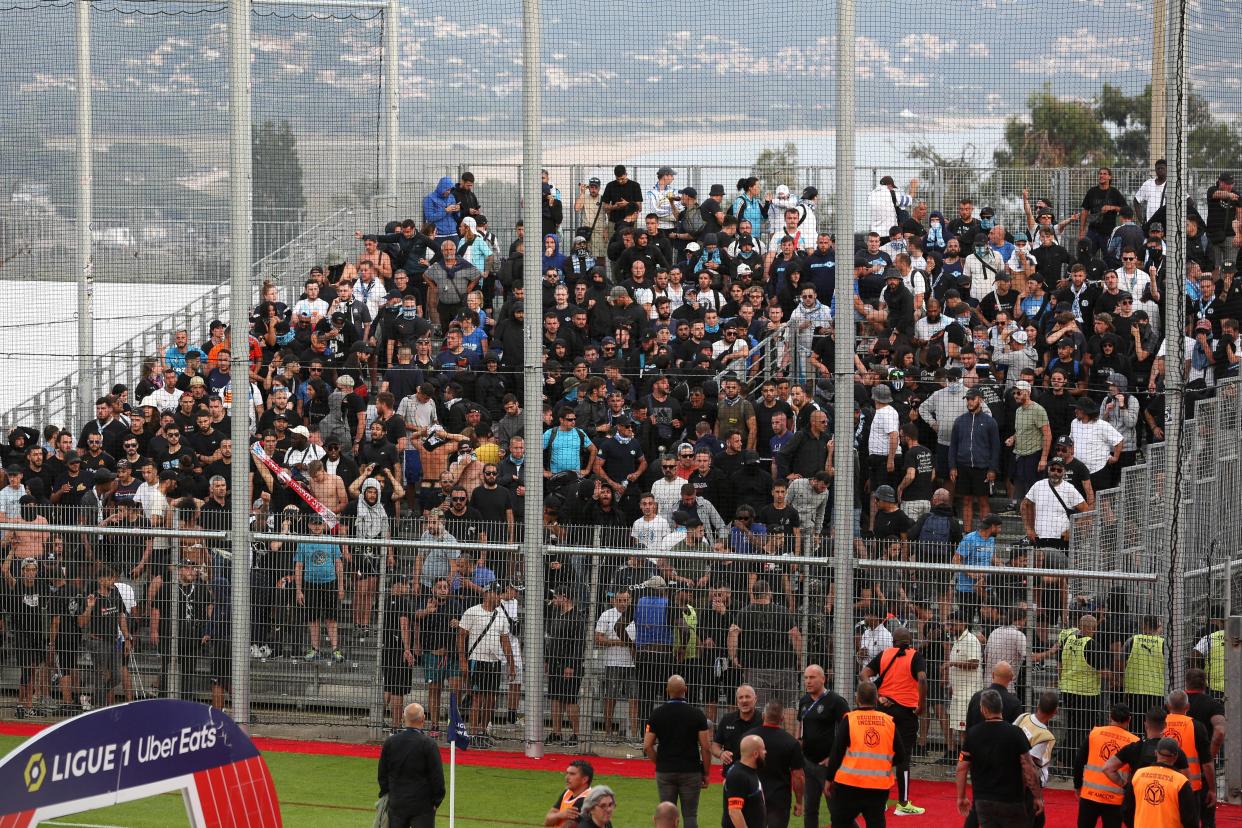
{"type": "Point", "coordinates": [372, 521]}
{"type": "Point", "coordinates": [434, 208]}
{"type": "Point", "coordinates": [556, 260]}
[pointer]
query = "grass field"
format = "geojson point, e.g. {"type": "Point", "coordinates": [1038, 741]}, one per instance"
{"type": "Point", "coordinates": [339, 791]}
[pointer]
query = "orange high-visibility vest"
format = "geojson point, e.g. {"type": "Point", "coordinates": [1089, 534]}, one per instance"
{"type": "Point", "coordinates": [1182, 728]}
{"type": "Point", "coordinates": [898, 684]}
{"type": "Point", "coordinates": [1155, 797]}
{"type": "Point", "coordinates": [1103, 742]}
{"type": "Point", "coordinates": [868, 761]}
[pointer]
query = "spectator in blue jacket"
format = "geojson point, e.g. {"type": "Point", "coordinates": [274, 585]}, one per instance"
{"type": "Point", "coordinates": [974, 456]}
{"type": "Point", "coordinates": [441, 209]}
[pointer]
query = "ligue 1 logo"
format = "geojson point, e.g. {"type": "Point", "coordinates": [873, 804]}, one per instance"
{"type": "Point", "coordinates": [1153, 794]}
{"type": "Point", "coordinates": [35, 773]}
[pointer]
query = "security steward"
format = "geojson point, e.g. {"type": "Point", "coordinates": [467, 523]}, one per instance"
{"type": "Point", "coordinates": [1160, 797]}
{"type": "Point", "coordinates": [1143, 678]}
{"type": "Point", "coordinates": [410, 774]}
{"type": "Point", "coordinates": [900, 676]}
{"type": "Point", "coordinates": [1192, 737]}
{"type": "Point", "coordinates": [1082, 658]}
{"type": "Point", "coordinates": [864, 752]}
{"type": "Point", "coordinates": [819, 712]}
{"type": "Point", "coordinates": [1142, 754]}
{"type": "Point", "coordinates": [1099, 798]}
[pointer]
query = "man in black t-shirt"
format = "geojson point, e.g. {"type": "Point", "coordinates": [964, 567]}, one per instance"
{"type": "Point", "coordinates": [764, 644]}
{"type": "Point", "coordinates": [743, 792]}
{"type": "Point", "coordinates": [996, 755]}
{"type": "Point", "coordinates": [782, 518]}
{"type": "Point", "coordinates": [727, 741]}
{"type": "Point", "coordinates": [397, 657]}
{"type": "Point", "coordinates": [1099, 210]}
{"type": "Point", "coordinates": [495, 501]}
{"type": "Point", "coordinates": [103, 617]}
{"type": "Point", "coordinates": [195, 605]}
{"type": "Point", "coordinates": [435, 636]}
{"type": "Point", "coordinates": [914, 492]}
{"type": "Point", "coordinates": [712, 211]}
{"type": "Point", "coordinates": [782, 771]}
{"type": "Point", "coordinates": [820, 711]}
{"type": "Point", "coordinates": [677, 740]}
{"type": "Point", "coordinates": [29, 613]}
{"type": "Point", "coordinates": [622, 196]}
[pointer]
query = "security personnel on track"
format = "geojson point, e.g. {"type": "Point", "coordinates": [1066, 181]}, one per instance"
{"type": "Point", "coordinates": [866, 748]}
{"type": "Point", "coordinates": [1160, 797]}
{"type": "Point", "coordinates": [1192, 737]}
{"type": "Point", "coordinates": [900, 676]}
{"type": "Point", "coordinates": [1143, 676]}
{"type": "Point", "coordinates": [1099, 798]}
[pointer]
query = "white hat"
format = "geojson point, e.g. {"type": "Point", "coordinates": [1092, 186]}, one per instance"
{"type": "Point", "coordinates": [744, 270]}
{"type": "Point", "coordinates": [693, 247]}
{"type": "Point", "coordinates": [303, 430]}
{"type": "Point", "coordinates": [470, 222]}
{"type": "Point", "coordinates": [1018, 337]}
{"type": "Point", "coordinates": [783, 191]}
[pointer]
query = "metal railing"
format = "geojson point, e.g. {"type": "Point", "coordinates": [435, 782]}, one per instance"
{"type": "Point", "coordinates": [57, 402]}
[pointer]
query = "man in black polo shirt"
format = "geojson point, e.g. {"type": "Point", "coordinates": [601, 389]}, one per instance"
{"type": "Point", "coordinates": [683, 757]}
{"type": "Point", "coordinates": [727, 742]}
{"type": "Point", "coordinates": [781, 773]}
{"type": "Point", "coordinates": [820, 710]}
{"type": "Point", "coordinates": [743, 792]}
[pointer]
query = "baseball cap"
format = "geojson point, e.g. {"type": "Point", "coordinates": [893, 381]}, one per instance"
{"type": "Point", "coordinates": [1065, 440]}
{"type": "Point", "coordinates": [973, 393]}
{"type": "Point", "coordinates": [302, 430]}
{"type": "Point", "coordinates": [1022, 385]}
{"type": "Point", "coordinates": [593, 181]}
{"type": "Point", "coordinates": [744, 270]}
{"type": "Point", "coordinates": [750, 458]}
{"type": "Point", "coordinates": [1225, 178]}
{"type": "Point", "coordinates": [1020, 237]}
{"type": "Point", "coordinates": [1056, 461]}
{"type": "Point", "coordinates": [104, 475]}
{"type": "Point", "coordinates": [197, 381]}
{"type": "Point", "coordinates": [690, 191]}
{"type": "Point", "coordinates": [1155, 227]}
{"type": "Point", "coordinates": [1019, 337]}
{"type": "Point", "coordinates": [168, 474]}
{"type": "Point", "coordinates": [987, 212]}
{"type": "Point", "coordinates": [885, 494]}
{"type": "Point", "coordinates": [1203, 325]}
{"type": "Point", "coordinates": [72, 457]}
{"type": "Point", "coordinates": [13, 468]}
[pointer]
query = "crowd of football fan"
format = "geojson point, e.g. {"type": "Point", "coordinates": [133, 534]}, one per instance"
{"type": "Point", "coordinates": [688, 362]}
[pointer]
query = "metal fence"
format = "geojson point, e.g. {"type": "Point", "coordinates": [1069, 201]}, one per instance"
{"type": "Point", "coordinates": [338, 650]}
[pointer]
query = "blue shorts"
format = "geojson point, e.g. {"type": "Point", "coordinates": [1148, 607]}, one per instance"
{"type": "Point", "coordinates": [438, 668]}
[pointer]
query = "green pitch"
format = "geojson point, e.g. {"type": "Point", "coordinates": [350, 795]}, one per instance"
{"type": "Point", "coordinates": [337, 791]}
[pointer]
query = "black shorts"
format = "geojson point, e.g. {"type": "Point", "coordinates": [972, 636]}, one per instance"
{"type": "Point", "coordinates": [31, 651]}
{"type": "Point", "coordinates": [367, 565]}
{"type": "Point", "coordinates": [878, 474]}
{"type": "Point", "coordinates": [564, 689]}
{"type": "Point", "coordinates": [397, 676]}
{"type": "Point", "coordinates": [485, 676]}
{"type": "Point", "coordinates": [321, 601]}
{"type": "Point", "coordinates": [972, 482]}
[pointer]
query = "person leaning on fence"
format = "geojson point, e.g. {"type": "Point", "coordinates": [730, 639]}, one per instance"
{"type": "Point", "coordinates": [900, 676]}
{"type": "Point", "coordinates": [483, 644]}
{"type": "Point", "coordinates": [411, 776]}
{"type": "Point", "coordinates": [1081, 661]}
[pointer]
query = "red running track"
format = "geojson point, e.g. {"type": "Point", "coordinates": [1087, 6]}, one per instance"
{"type": "Point", "coordinates": [938, 798]}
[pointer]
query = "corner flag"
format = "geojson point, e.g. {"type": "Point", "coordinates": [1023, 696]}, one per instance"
{"type": "Point", "coordinates": [457, 734]}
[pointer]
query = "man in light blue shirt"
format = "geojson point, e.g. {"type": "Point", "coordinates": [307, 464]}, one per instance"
{"type": "Point", "coordinates": [975, 551]}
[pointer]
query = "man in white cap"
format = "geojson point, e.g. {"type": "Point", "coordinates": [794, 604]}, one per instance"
{"type": "Point", "coordinates": [1031, 441]}
{"type": "Point", "coordinates": [662, 200]}
{"type": "Point", "coordinates": [302, 452]}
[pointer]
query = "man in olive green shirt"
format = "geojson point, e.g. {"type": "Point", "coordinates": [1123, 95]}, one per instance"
{"type": "Point", "coordinates": [1031, 440]}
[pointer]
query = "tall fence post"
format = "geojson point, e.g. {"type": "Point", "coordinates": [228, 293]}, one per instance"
{"type": "Point", "coordinates": [843, 367]}
{"type": "Point", "coordinates": [85, 212]}
{"type": "Point", "coordinates": [240, 262]}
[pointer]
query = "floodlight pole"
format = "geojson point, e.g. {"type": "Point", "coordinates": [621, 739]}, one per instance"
{"type": "Point", "coordinates": [532, 378]}
{"type": "Point", "coordinates": [87, 380]}
{"type": "Point", "coordinates": [240, 229]}
{"type": "Point", "coordinates": [1157, 139]}
{"type": "Point", "coordinates": [1174, 288]}
{"type": "Point", "coordinates": [843, 674]}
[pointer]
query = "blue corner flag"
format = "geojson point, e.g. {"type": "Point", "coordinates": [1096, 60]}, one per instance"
{"type": "Point", "coordinates": [457, 728]}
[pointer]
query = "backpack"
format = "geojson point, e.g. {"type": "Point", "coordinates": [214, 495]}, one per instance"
{"type": "Point", "coordinates": [583, 442]}
{"type": "Point", "coordinates": [937, 534]}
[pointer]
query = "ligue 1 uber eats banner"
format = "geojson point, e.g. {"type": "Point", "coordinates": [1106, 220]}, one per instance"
{"type": "Point", "coordinates": [136, 750]}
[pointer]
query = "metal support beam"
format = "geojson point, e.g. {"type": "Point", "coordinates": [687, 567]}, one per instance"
{"type": "Point", "coordinates": [1233, 709]}
{"type": "Point", "coordinates": [87, 379]}
{"type": "Point", "coordinates": [1174, 287]}
{"type": "Point", "coordinates": [240, 224]}
{"type": "Point", "coordinates": [843, 363]}
{"type": "Point", "coordinates": [531, 191]}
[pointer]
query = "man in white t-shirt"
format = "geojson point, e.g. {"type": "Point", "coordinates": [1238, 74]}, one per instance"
{"type": "Point", "coordinates": [1150, 196]}
{"type": "Point", "coordinates": [649, 529]}
{"type": "Point", "coordinates": [482, 644]}
{"type": "Point", "coordinates": [883, 444]}
{"type": "Point", "coordinates": [1096, 443]}
{"type": "Point", "coordinates": [1045, 510]}
{"type": "Point", "coordinates": [615, 632]}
